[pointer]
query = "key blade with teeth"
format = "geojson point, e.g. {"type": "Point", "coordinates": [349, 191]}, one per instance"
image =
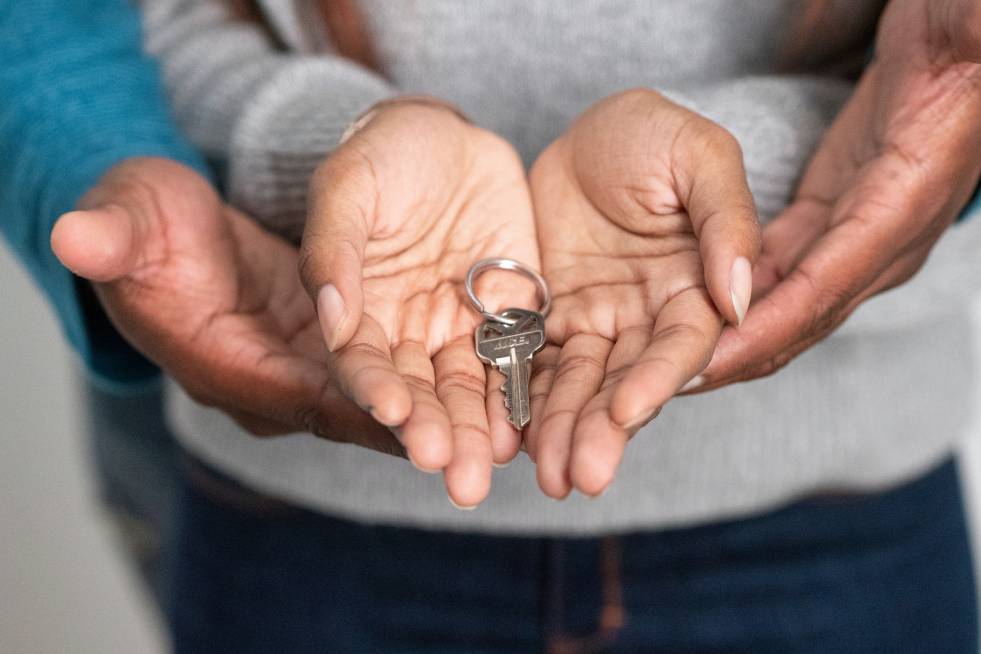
{"type": "Point", "coordinates": [510, 349]}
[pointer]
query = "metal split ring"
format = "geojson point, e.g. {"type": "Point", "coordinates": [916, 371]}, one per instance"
{"type": "Point", "coordinates": [501, 263]}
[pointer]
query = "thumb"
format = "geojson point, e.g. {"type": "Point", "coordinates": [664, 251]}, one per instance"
{"type": "Point", "coordinates": [102, 244]}
{"type": "Point", "coordinates": [723, 214]}
{"type": "Point", "coordinates": [334, 241]}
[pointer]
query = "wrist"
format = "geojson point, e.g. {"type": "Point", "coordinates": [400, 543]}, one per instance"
{"type": "Point", "coordinates": [426, 102]}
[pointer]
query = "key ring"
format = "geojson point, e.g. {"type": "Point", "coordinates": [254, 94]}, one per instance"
{"type": "Point", "coordinates": [484, 265]}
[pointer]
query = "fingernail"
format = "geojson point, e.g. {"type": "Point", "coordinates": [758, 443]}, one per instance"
{"type": "Point", "coordinates": [461, 508]}
{"type": "Point", "coordinates": [599, 494]}
{"type": "Point", "coordinates": [741, 287]}
{"type": "Point", "coordinates": [502, 466]}
{"type": "Point", "coordinates": [377, 417]}
{"type": "Point", "coordinates": [692, 384]}
{"type": "Point", "coordinates": [642, 419]}
{"type": "Point", "coordinates": [428, 471]}
{"type": "Point", "coordinates": [408, 454]}
{"type": "Point", "coordinates": [332, 313]}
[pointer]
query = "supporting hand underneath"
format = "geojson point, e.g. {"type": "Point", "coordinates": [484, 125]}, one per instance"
{"type": "Point", "coordinates": [894, 171]}
{"type": "Point", "coordinates": [212, 298]}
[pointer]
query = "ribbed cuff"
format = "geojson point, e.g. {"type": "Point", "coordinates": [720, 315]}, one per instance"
{"type": "Point", "coordinates": [290, 126]}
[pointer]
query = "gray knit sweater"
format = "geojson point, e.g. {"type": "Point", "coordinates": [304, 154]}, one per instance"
{"type": "Point", "coordinates": [878, 402]}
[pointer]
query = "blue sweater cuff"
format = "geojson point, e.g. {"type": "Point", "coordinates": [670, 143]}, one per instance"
{"type": "Point", "coordinates": [79, 97]}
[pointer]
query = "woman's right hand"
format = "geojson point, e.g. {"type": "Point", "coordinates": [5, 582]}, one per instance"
{"type": "Point", "coordinates": [397, 215]}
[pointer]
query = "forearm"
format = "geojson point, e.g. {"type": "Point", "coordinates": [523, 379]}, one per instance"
{"type": "Point", "coordinates": [270, 117]}
{"type": "Point", "coordinates": [77, 98]}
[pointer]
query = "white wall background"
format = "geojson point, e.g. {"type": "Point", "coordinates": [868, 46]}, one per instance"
{"type": "Point", "coordinates": [63, 588]}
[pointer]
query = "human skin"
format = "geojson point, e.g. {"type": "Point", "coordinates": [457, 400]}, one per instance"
{"type": "Point", "coordinates": [397, 216]}
{"type": "Point", "coordinates": [212, 298]}
{"type": "Point", "coordinates": [648, 233]}
{"type": "Point", "coordinates": [402, 210]}
{"type": "Point", "coordinates": [896, 168]}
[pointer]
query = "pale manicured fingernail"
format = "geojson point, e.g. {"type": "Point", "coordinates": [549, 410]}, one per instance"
{"type": "Point", "coordinates": [741, 286]}
{"type": "Point", "coordinates": [692, 384]}
{"type": "Point", "coordinates": [461, 508]}
{"type": "Point", "coordinates": [502, 466]}
{"type": "Point", "coordinates": [642, 419]}
{"type": "Point", "coordinates": [599, 494]}
{"type": "Point", "coordinates": [332, 313]}
{"type": "Point", "coordinates": [428, 471]}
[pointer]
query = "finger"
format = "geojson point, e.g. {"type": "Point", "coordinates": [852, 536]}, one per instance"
{"type": "Point", "coordinates": [684, 337]}
{"type": "Point", "coordinates": [897, 274]}
{"type": "Point", "coordinates": [281, 389]}
{"type": "Point", "coordinates": [542, 374]}
{"type": "Point", "coordinates": [341, 206]}
{"type": "Point", "coordinates": [505, 439]}
{"type": "Point", "coordinates": [712, 181]}
{"type": "Point", "coordinates": [598, 442]}
{"type": "Point", "coordinates": [102, 244]}
{"type": "Point", "coordinates": [260, 426]}
{"type": "Point", "coordinates": [869, 230]}
{"type": "Point", "coordinates": [792, 234]}
{"type": "Point", "coordinates": [840, 265]}
{"type": "Point", "coordinates": [426, 434]}
{"type": "Point", "coordinates": [786, 240]}
{"type": "Point", "coordinates": [578, 376]}
{"type": "Point", "coordinates": [461, 385]}
{"type": "Point", "coordinates": [366, 373]}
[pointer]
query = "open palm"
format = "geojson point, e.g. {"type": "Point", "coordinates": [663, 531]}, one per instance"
{"type": "Point", "coordinates": [647, 232]}
{"type": "Point", "coordinates": [398, 215]}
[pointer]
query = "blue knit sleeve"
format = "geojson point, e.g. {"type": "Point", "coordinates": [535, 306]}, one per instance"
{"type": "Point", "coordinates": [77, 96]}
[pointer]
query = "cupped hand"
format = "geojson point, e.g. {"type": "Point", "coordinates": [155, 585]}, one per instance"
{"type": "Point", "coordinates": [648, 233]}
{"type": "Point", "coordinates": [397, 216]}
{"type": "Point", "coordinates": [897, 166]}
{"type": "Point", "coordinates": [210, 297]}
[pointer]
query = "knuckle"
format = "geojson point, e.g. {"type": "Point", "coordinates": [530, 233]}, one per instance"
{"type": "Point", "coordinates": [471, 429]}
{"type": "Point", "coordinates": [417, 384]}
{"type": "Point", "coordinates": [307, 263]}
{"type": "Point", "coordinates": [365, 348]}
{"type": "Point", "coordinates": [460, 382]}
{"type": "Point", "coordinates": [715, 140]}
{"type": "Point", "coordinates": [830, 301]}
{"type": "Point", "coordinates": [308, 418]}
{"type": "Point", "coordinates": [684, 332]}
{"type": "Point", "coordinates": [578, 368]}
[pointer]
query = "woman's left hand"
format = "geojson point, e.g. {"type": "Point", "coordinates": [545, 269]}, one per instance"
{"type": "Point", "coordinates": [647, 233]}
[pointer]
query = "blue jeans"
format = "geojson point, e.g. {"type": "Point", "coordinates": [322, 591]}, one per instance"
{"type": "Point", "coordinates": [889, 572]}
{"type": "Point", "coordinates": [239, 572]}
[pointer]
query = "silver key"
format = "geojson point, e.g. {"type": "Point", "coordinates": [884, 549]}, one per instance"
{"type": "Point", "coordinates": [509, 348]}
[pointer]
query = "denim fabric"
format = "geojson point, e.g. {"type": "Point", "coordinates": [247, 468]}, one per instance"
{"type": "Point", "coordinates": [890, 572]}
{"type": "Point", "coordinates": [137, 473]}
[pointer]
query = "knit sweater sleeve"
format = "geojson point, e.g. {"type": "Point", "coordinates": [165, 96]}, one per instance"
{"type": "Point", "coordinates": [267, 117]}
{"type": "Point", "coordinates": [779, 122]}
{"type": "Point", "coordinates": [77, 96]}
